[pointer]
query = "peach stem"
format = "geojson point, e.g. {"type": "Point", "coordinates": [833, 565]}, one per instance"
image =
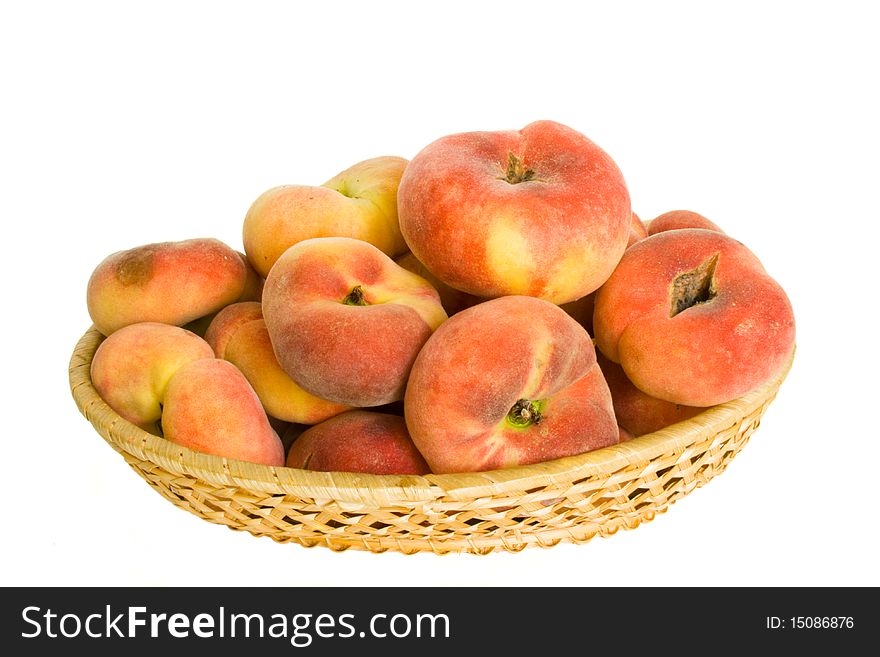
{"type": "Point", "coordinates": [355, 297]}
{"type": "Point", "coordinates": [693, 287]}
{"type": "Point", "coordinates": [525, 413]}
{"type": "Point", "coordinates": [517, 172]}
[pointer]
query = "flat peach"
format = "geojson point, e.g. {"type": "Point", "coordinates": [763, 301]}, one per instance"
{"type": "Point", "coordinates": [168, 282]}
{"type": "Point", "coordinates": [358, 441]}
{"type": "Point", "coordinates": [638, 412]}
{"type": "Point", "coordinates": [131, 368]}
{"type": "Point", "coordinates": [360, 203]}
{"type": "Point", "coordinates": [510, 381]}
{"type": "Point", "coordinates": [676, 219]}
{"type": "Point", "coordinates": [210, 407]}
{"type": "Point", "coordinates": [250, 349]}
{"type": "Point", "coordinates": [226, 322]}
{"type": "Point", "coordinates": [346, 321]}
{"type": "Point", "coordinates": [693, 318]}
{"type": "Point", "coordinates": [541, 211]}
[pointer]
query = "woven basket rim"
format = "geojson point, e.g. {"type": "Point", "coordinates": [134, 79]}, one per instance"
{"type": "Point", "coordinates": [370, 489]}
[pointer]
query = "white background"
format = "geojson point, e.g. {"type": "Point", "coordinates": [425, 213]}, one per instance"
{"type": "Point", "coordinates": [129, 123]}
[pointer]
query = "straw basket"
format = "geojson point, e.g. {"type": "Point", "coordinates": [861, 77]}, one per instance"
{"type": "Point", "coordinates": [571, 499]}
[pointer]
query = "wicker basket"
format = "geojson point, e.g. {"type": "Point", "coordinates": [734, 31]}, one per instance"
{"type": "Point", "coordinates": [571, 499]}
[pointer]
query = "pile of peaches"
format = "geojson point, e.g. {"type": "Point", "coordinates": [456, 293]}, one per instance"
{"type": "Point", "coordinates": [492, 302]}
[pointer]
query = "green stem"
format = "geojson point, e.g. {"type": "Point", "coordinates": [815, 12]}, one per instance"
{"type": "Point", "coordinates": [525, 413]}
{"type": "Point", "coordinates": [355, 297]}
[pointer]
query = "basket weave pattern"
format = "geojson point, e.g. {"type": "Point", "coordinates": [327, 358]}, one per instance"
{"type": "Point", "coordinates": [566, 500]}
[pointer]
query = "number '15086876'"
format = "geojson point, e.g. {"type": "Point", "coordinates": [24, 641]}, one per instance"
{"type": "Point", "coordinates": [810, 622]}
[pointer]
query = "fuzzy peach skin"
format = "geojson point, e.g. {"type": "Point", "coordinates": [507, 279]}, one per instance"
{"type": "Point", "coordinates": [542, 211]}
{"type": "Point", "coordinates": [360, 202]}
{"type": "Point", "coordinates": [510, 381]}
{"type": "Point", "coordinates": [675, 219]}
{"type": "Point", "coordinates": [638, 412]}
{"type": "Point", "coordinates": [253, 291]}
{"type": "Point", "coordinates": [582, 309]}
{"type": "Point", "coordinates": [131, 368]}
{"type": "Point", "coordinates": [358, 441]}
{"type": "Point", "coordinates": [210, 407]}
{"type": "Point", "coordinates": [253, 282]}
{"type": "Point", "coordinates": [453, 300]}
{"type": "Point", "coordinates": [252, 353]}
{"type": "Point", "coordinates": [693, 318]}
{"type": "Point", "coordinates": [168, 282]}
{"type": "Point", "coordinates": [250, 350]}
{"type": "Point", "coordinates": [226, 322]}
{"type": "Point", "coordinates": [346, 321]}
{"type": "Point", "coordinates": [637, 230]}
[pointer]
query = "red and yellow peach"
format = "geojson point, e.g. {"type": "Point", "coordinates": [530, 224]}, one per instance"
{"type": "Point", "coordinates": [167, 282]}
{"type": "Point", "coordinates": [360, 203]}
{"type": "Point", "coordinates": [131, 368]}
{"type": "Point", "coordinates": [542, 211]}
{"type": "Point", "coordinates": [210, 407]}
{"type": "Point", "coordinates": [358, 441]}
{"type": "Point", "coordinates": [510, 381]}
{"type": "Point", "coordinates": [345, 321]}
{"type": "Point", "coordinates": [693, 318]}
